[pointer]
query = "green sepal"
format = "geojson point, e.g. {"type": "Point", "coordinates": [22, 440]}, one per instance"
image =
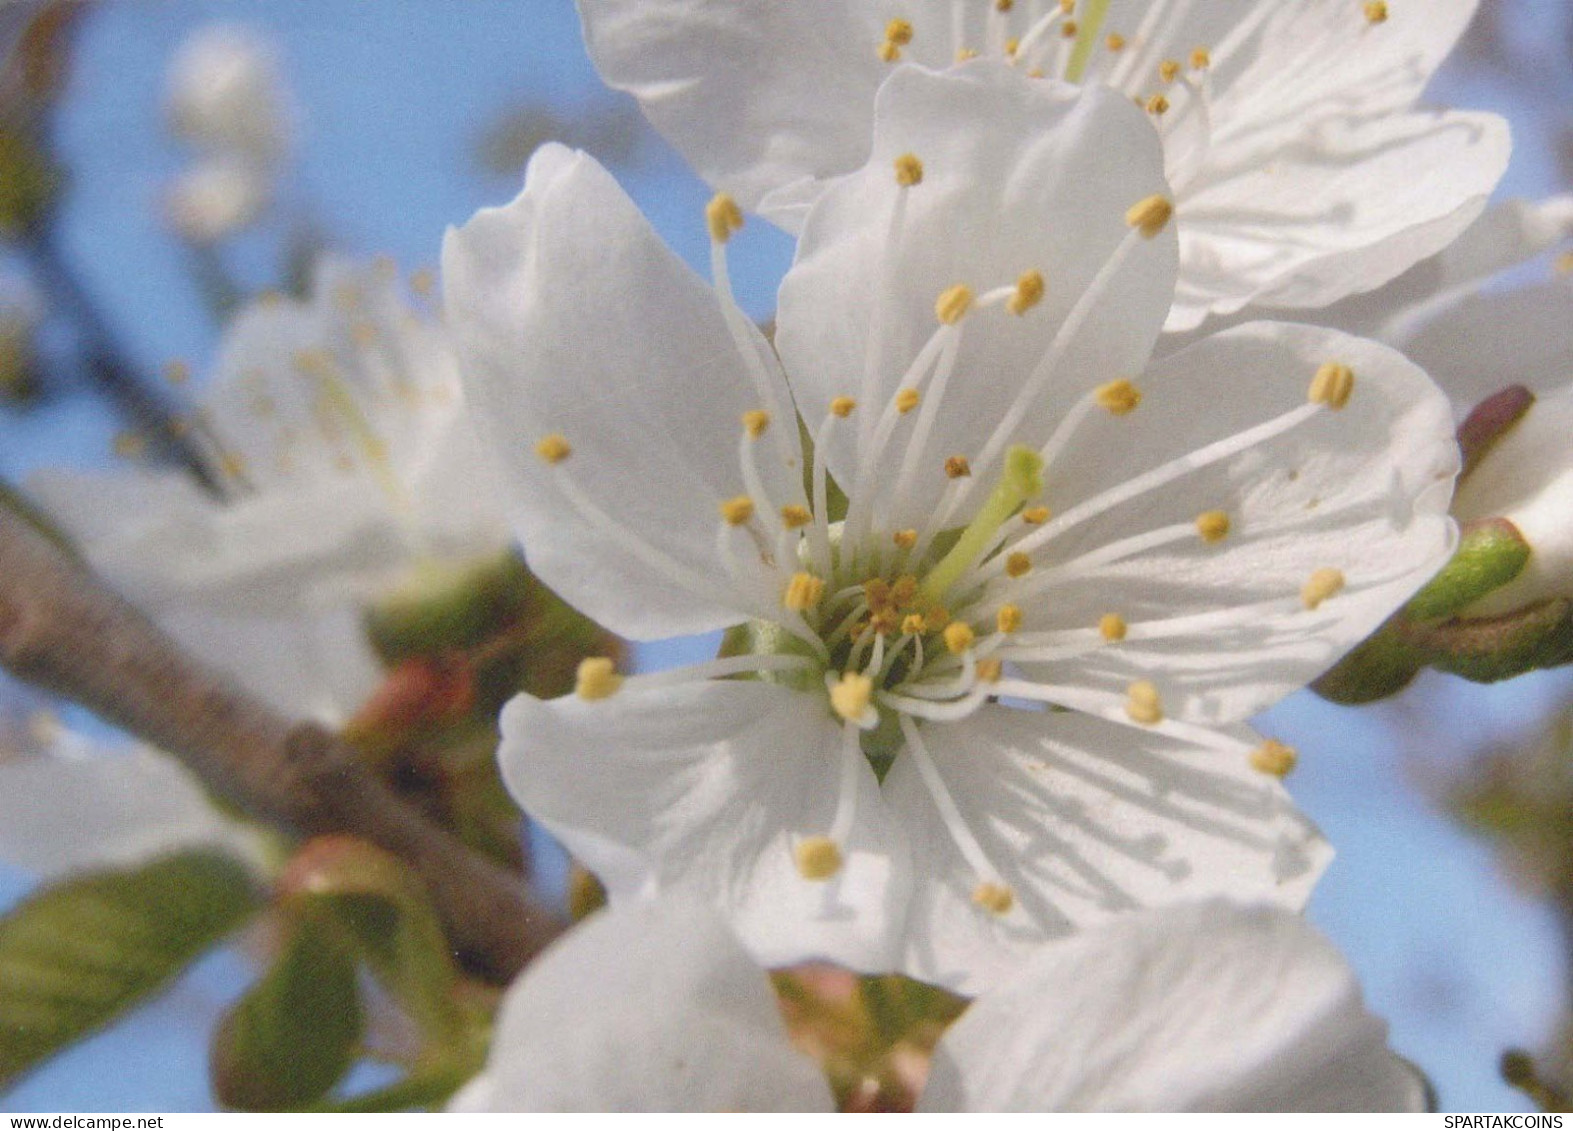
{"type": "Point", "coordinates": [1490, 554]}
{"type": "Point", "coordinates": [1381, 666]}
{"type": "Point", "coordinates": [1489, 649]}
{"type": "Point", "coordinates": [296, 1032]}
{"type": "Point", "coordinates": [79, 954]}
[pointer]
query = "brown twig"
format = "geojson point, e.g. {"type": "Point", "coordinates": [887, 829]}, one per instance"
{"type": "Point", "coordinates": [64, 630]}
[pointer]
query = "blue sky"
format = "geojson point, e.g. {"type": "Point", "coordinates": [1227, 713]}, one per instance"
{"type": "Point", "coordinates": [392, 99]}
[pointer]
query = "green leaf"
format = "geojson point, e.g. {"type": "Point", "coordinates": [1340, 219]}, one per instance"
{"type": "Point", "coordinates": [74, 957]}
{"type": "Point", "coordinates": [295, 1033]}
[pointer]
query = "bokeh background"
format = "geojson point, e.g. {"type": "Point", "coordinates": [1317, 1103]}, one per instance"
{"type": "Point", "coordinates": [410, 115]}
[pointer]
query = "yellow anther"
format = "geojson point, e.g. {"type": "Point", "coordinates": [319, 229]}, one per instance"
{"type": "Point", "coordinates": [842, 407]}
{"type": "Point", "coordinates": [1070, 29]}
{"type": "Point", "coordinates": [1011, 47]}
{"type": "Point", "coordinates": [851, 696]}
{"type": "Point", "coordinates": [1157, 105]}
{"type": "Point", "coordinates": [1114, 41]}
{"type": "Point", "coordinates": [1143, 704]}
{"type": "Point", "coordinates": [889, 52]}
{"type": "Point", "coordinates": [913, 625]}
{"type": "Point", "coordinates": [177, 373]}
{"type": "Point", "coordinates": [1008, 619]}
{"type": "Point", "coordinates": [1150, 215]}
{"type": "Point", "coordinates": [953, 303]}
{"type": "Point", "coordinates": [1029, 292]}
{"type": "Point", "coordinates": [553, 448]}
{"type": "Point", "coordinates": [1018, 564]}
{"type": "Point", "coordinates": [990, 671]}
{"type": "Point", "coordinates": [1213, 526]}
{"type": "Point", "coordinates": [803, 592]}
{"type": "Point", "coordinates": [936, 618]}
{"type": "Point", "coordinates": [959, 637]}
{"type": "Point", "coordinates": [1112, 627]}
{"type": "Point", "coordinates": [422, 281]}
{"type": "Point", "coordinates": [795, 517]}
{"type": "Point", "coordinates": [1004, 5]}
{"type": "Point", "coordinates": [905, 539]}
{"type": "Point", "coordinates": [817, 858]}
{"type": "Point", "coordinates": [1201, 59]}
{"type": "Point", "coordinates": [966, 53]}
{"type": "Point", "coordinates": [232, 464]}
{"type": "Point", "coordinates": [995, 898]}
{"type": "Point", "coordinates": [755, 421]}
{"type": "Point", "coordinates": [182, 425]}
{"type": "Point", "coordinates": [1035, 73]}
{"type": "Point", "coordinates": [907, 400]}
{"type": "Point", "coordinates": [129, 445]}
{"type": "Point", "coordinates": [737, 511]}
{"type": "Point", "coordinates": [1067, 7]}
{"type": "Point", "coordinates": [723, 217]}
{"type": "Point", "coordinates": [1376, 12]}
{"type": "Point", "coordinates": [1169, 70]}
{"type": "Point", "coordinates": [898, 32]}
{"type": "Point", "coordinates": [1273, 757]}
{"type": "Point", "coordinates": [1321, 585]}
{"type": "Point", "coordinates": [1333, 385]}
{"type": "Point", "coordinates": [597, 678]}
{"type": "Point", "coordinates": [1035, 516]}
{"type": "Point", "coordinates": [1118, 397]}
{"type": "Point", "coordinates": [909, 170]}
{"type": "Point", "coordinates": [957, 467]}
{"type": "Point", "coordinates": [1563, 264]}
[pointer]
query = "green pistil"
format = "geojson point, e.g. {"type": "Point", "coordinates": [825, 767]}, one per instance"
{"type": "Point", "coordinates": [1022, 481]}
{"type": "Point", "coordinates": [1086, 34]}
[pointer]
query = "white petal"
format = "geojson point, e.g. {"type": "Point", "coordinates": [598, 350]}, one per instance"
{"type": "Point", "coordinates": [705, 789]}
{"type": "Point", "coordinates": [1363, 490]}
{"type": "Point", "coordinates": [1208, 1007]}
{"type": "Point", "coordinates": [1338, 212]}
{"type": "Point", "coordinates": [755, 94]}
{"type": "Point", "coordinates": [571, 317]}
{"type": "Point", "coordinates": [1494, 339]}
{"type": "Point", "coordinates": [1018, 175]}
{"type": "Point", "coordinates": [62, 813]}
{"type": "Point", "coordinates": [646, 1008]}
{"type": "Point", "coordinates": [1085, 820]}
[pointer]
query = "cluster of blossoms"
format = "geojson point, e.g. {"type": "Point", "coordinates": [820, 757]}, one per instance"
{"type": "Point", "coordinates": [1026, 507]}
{"type": "Point", "coordinates": [1003, 569]}
{"type": "Point", "coordinates": [345, 469]}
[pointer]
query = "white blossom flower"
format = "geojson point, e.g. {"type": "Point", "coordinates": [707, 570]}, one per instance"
{"type": "Point", "coordinates": [336, 431]}
{"type": "Point", "coordinates": [1290, 130]}
{"type": "Point", "coordinates": [998, 700]}
{"type": "Point", "coordinates": [1206, 1007]}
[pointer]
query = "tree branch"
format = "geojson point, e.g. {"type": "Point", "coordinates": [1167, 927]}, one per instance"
{"type": "Point", "coordinates": [64, 630]}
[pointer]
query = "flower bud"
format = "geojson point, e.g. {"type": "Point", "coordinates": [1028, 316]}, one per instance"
{"type": "Point", "coordinates": [1504, 604]}
{"type": "Point", "coordinates": [223, 94]}
{"type": "Point", "coordinates": [214, 199]}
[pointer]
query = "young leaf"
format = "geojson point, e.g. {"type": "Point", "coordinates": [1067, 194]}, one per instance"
{"type": "Point", "coordinates": [74, 957]}
{"type": "Point", "coordinates": [294, 1034]}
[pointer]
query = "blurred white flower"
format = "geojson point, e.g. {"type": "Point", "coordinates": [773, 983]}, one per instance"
{"type": "Point", "coordinates": [224, 95]}
{"type": "Point", "coordinates": [1290, 130]}
{"type": "Point", "coordinates": [1201, 1007]}
{"type": "Point", "coordinates": [336, 429]}
{"type": "Point", "coordinates": [1037, 520]}
{"type": "Point", "coordinates": [215, 198]}
{"type": "Point", "coordinates": [69, 804]}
